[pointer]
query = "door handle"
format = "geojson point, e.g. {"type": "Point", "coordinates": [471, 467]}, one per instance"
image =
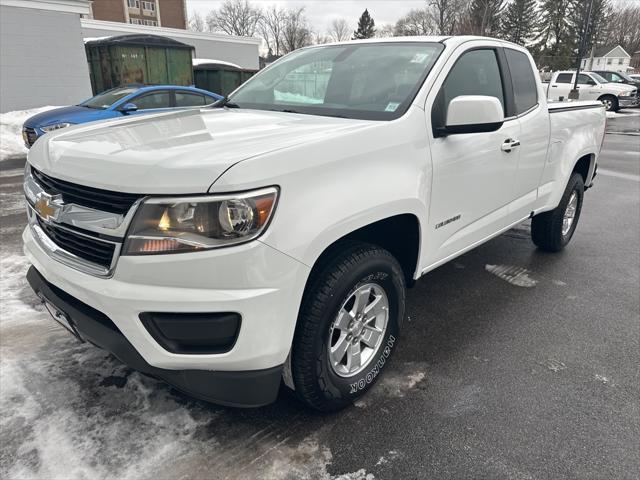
{"type": "Point", "coordinates": [509, 144]}
{"type": "Point", "coordinates": [554, 86]}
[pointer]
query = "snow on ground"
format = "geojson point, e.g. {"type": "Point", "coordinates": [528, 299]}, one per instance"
{"type": "Point", "coordinates": [68, 410]}
{"type": "Point", "coordinates": [396, 382]}
{"type": "Point", "coordinates": [11, 143]}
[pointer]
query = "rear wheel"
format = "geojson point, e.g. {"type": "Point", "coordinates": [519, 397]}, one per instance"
{"type": "Point", "coordinates": [347, 327]}
{"type": "Point", "coordinates": [610, 103]}
{"type": "Point", "coordinates": [553, 230]}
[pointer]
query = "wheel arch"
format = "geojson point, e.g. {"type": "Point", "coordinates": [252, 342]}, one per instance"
{"type": "Point", "coordinates": [585, 166]}
{"type": "Point", "coordinates": [399, 234]}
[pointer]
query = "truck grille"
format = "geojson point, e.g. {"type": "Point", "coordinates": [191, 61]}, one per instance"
{"type": "Point", "coordinates": [88, 248]}
{"type": "Point", "coordinates": [105, 200]}
{"type": "Point", "coordinates": [30, 135]}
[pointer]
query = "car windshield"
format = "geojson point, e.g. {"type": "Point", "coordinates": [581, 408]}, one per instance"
{"type": "Point", "coordinates": [599, 78]}
{"type": "Point", "coordinates": [373, 81]}
{"type": "Point", "coordinates": [108, 98]}
{"type": "Point", "coordinates": [625, 76]}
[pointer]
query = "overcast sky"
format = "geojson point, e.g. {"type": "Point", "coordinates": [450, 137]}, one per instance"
{"type": "Point", "coordinates": [321, 12]}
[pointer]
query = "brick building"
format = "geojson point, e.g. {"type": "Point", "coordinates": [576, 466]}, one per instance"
{"type": "Point", "coordinates": [156, 13]}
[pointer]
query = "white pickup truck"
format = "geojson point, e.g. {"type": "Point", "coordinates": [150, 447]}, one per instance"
{"type": "Point", "coordinates": [274, 235]}
{"type": "Point", "coordinates": [592, 86]}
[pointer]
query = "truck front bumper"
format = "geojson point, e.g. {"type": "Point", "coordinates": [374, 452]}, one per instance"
{"type": "Point", "coordinates": [260, 284]}
{"type": "Point", "coordinates": [626, 102]}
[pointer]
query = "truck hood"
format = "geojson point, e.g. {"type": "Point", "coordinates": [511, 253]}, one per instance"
{"type": "Point", "coordinates": [618, 87]}
{"type": "Point", "coordinates": [177, 152]}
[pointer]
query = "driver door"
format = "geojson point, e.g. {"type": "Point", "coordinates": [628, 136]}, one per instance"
{"type": "Point", "coordinates": [473, 174]}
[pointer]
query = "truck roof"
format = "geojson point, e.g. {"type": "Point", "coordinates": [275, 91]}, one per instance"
{"type": "Point", "coordinates": [449, 40]}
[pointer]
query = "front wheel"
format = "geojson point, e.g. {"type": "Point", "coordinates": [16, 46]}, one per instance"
{"type": "Point", "coordinates": [610, 103]}
{"type": "Point", "coordinates": [348, 326]}
{"type": "Point", "coordinates": [553, 230]}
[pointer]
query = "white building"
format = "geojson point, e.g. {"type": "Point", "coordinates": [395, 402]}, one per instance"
{"type": "Point", "coordinates": [608, 58]}
{"type": "Point", "coordinates": [42, 58]}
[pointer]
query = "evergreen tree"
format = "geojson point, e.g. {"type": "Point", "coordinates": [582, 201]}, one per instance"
{"type": "Point", "coordinates": [366, 27]}
{"type": "Point", "coordinates": [519, 21]}
{"type": "Point", "coordinates": [593, 32]}
{"type": "Point", "coordinates": [557, 38]}
{"type": "Point", "coordinates": [484, 16]}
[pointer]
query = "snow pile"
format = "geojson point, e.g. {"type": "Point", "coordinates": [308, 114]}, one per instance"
{"type": "Point", "coordinates": [204, 61]}
{"type": "Point", "coordinates": [396, 382]}
{"type": "Point", "coordinates": [11, 143]}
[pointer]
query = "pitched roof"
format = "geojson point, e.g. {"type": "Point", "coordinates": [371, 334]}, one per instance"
{"type": "Point", "coordinates": [602, 51]}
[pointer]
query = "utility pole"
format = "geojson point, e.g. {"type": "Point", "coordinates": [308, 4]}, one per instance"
{"type": "Point", "coordinates": [574, 94]}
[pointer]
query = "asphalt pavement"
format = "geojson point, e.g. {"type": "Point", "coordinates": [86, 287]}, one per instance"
{"type": "Point", "coordinates": [514, 364]}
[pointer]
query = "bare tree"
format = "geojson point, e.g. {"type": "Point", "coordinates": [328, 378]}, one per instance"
{"type": "Point", "coordinates": [197, 23]}
{"type": "Point", "coordinates": [340, 30]}
{"type": "Point", "coordinates": [271, 26]}
{"type": "Point", "coordinates": [296, 32]}
{"type": "Point", "coordinates": [235, 17]}
{"type": "Point", "coordinates": [320, 38]}
{"type": "Point", "coordinates": [416, 22]}
{"type": "Point", "coordinates": [623, 27]}
{"type": "Point", "coordinates": [385, 31]}
{"type": "Point", "coordinates": [447, 15]}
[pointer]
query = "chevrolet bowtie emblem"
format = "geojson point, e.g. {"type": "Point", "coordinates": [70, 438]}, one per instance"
{"type": "Point", "coordinates": [48, 207]}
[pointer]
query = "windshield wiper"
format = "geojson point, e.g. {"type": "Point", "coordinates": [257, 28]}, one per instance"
{"type": "Point", "coordinates": [224, 102]}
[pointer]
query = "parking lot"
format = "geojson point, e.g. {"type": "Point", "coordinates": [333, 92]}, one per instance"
{"type": "Point", "coordinates": [513, 364]}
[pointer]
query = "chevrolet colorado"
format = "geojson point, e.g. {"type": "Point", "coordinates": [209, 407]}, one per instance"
{"type": "Point", "coordinates": [273, 237]}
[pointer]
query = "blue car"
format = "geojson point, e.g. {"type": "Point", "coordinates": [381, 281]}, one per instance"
{"type": "Point", "coordinates": [117, 102]}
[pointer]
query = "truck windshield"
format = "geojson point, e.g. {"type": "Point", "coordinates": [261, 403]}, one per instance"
{"type": "Point", "coordinates": [106, 99]}
{"type": "Point", "coordinates": [372, 81]}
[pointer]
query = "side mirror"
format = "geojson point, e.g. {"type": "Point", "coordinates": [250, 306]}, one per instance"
{"type": "Point", "coordinates": [473, 114]}
{"type": "Point", "coordinates": [129, 108]}
{"type": "Point", "coordinates": [591, 82]}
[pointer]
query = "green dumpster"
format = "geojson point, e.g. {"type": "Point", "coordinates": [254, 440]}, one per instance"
{"type": "Point", "coordinates": [146, 59]}
{"type": "Point", "coordinates": [218, 76]}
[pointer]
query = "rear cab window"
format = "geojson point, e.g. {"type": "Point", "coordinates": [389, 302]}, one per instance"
{"type": "Point", "coordinates": [564, 78]}
{"type": "Point", "coordinates": [525, 87]}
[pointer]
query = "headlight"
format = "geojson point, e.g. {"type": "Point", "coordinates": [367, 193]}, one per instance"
{"type": "Point", "coordinates": [627, 94]}
{"type": "Point", "coordinates": [189, 224]}
{"type": "Point", "coordinates": [55, 126]}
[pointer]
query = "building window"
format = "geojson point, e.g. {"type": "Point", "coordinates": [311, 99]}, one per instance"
{"type": "Point", "coordinates": [149, 6]}
{"type": "Point", "coordinates": [609, 61]}
{"type": "Point", "coordinates": [133, 3]}
{"type": "Point", "coordinates": [151, 23]}
{"type": "Point", "coordinates": [620, 61]}
{"type": "Point", "coordinates": [135, 21]}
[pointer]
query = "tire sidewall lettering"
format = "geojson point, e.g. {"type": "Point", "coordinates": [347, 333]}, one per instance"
{"type": "Point", "coordinates": [375, 370]}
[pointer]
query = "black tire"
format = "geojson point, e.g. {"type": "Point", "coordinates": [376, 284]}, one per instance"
{"type": "Point", "coordinates": [316, 383]}
{"type": "Point", "coordinates": [610, 102]}
{"type": "Point", "coordinates": [546, 228]}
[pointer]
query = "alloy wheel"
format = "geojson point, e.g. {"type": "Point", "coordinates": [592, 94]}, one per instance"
{"type": "Point", "coordinates": [358, 329]}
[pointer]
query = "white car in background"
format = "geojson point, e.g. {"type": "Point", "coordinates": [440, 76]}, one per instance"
{"type": "Point", "coordinates": [592, 86]}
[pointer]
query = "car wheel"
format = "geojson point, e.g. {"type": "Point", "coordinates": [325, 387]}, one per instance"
{"type": "Point", "coordinates": [610, 103]}
{"type": "Point", "coordinates": [348, 326]}
{"type": "Point", "coordinates": [552, 231]}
